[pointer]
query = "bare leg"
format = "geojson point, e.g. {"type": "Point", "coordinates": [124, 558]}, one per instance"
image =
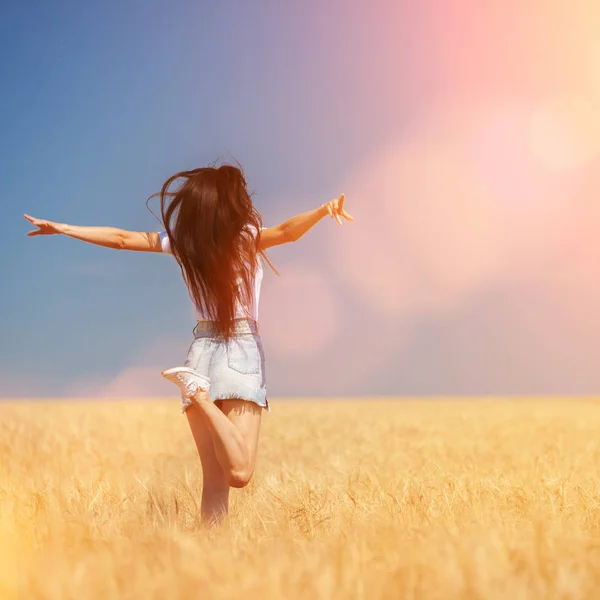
{"type": "Point", "coordinates": [226, 435]}
{"type": "Point", "coordinates": [215, 485]}
{"type": "Point", "coordinates": [234, 429]}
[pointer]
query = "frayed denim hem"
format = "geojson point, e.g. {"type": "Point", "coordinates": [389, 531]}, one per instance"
{"type": "Point", "coordinates": [187, 402]}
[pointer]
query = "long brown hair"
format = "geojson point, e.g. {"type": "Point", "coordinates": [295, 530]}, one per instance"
{"type": "Point", "coordinates": [214, 232]}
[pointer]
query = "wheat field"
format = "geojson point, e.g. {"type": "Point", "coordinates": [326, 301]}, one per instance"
{"type": "Point", "coordinates": [351, 499]}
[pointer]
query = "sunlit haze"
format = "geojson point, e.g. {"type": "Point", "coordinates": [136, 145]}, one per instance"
{"type": "Point", "coordinates": [465, 135]}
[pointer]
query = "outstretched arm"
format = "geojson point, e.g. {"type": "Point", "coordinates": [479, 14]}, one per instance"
{"type": "Point", "coordinates": [293, 229]}
{"type": "Point", "coordinates": [109, 237]}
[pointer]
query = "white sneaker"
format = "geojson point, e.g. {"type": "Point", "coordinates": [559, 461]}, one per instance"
{"type": "Point", "coordinates": [187, 380]}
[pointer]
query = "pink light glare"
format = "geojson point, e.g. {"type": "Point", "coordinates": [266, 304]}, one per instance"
{"type": "Point", "coordinates": [135, 381]}
{"type": "Point", "coordinates": [424, 233]}
{"type": "Point", "coordinates": [565, 131]}
{"type": "Point", "coordinates": [461, 204]}
{"type": "Point", "coordinates": [497, 146]}
{"type": "Point", "coordinates": [299, 311]}
{"type": "Point", "coordinates": [141, 377]}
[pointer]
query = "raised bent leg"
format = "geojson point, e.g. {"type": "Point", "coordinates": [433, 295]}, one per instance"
{"type": "Point", "coordinates": [234, 428]}
{"type": "Point", "coordinates": [234, 425]}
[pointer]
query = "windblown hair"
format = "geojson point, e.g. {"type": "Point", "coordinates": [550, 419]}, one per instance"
{"type": "Point", "coordinates": [214, 232]}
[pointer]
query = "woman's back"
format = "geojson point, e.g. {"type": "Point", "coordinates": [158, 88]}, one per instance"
{"type": "Point", "coordinates": [212, 230]}
{"type": "Point", "coordinates": [245, 308]}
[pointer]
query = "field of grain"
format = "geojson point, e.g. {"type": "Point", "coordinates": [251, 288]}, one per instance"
{"type": "Point", "coordinates": [369, 499]}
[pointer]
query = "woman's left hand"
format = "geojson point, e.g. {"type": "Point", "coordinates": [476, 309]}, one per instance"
{"type": "Point", "coordinates": [43, 227]}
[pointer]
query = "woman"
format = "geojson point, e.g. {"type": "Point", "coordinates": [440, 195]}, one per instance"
{"type": "Point", "coordinates": [216, 236]}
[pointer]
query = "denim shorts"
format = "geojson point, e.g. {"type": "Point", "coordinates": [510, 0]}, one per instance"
{"type": "Point", "coordinates": [236, 369]}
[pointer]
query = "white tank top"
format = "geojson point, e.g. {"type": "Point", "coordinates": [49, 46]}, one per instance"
{"type": "Point", "coordinates": [241, 311]}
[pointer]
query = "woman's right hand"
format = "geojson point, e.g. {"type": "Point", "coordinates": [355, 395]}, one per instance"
{"type": "Point", "coordinates": [335, 209]}
{"type": "Point", "coordinates": [43, 227]}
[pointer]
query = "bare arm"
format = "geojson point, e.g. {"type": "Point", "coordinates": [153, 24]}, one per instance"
{"type": "Point", "coordinates": [293, 229]}
{"type": "Point", "coordinates": [109, 237]}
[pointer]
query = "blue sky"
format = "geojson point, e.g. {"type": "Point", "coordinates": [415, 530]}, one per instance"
{"type": "Point", "coordinates": [103, 101]}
